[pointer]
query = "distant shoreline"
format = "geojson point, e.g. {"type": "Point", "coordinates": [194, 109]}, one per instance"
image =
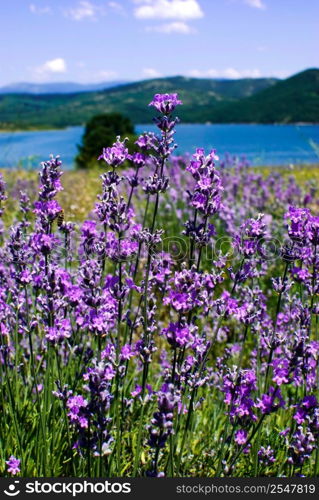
{"type": "Point", "coordinates": [48, 129]}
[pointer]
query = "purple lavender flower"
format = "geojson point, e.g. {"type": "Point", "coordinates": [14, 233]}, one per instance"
{"type": "Point", "coordinates": [266, 456]}
{"type": "Point", "coordinates": [312, 230]}
{"type": "Point", "coordinates": [305, 409]}
{"type": "Point", "coordinates": [44, 243]}
{"type": "Point", "coordinates": [48, 210]}
{"type": "Point", "coordinates": [139, 335]}
{"type": "Point", "coordinates": [206, 196]}
{"type": "Point", "coordinates": [3, 195]}
{"type": "Point", "coordinates": [138, 159]}
{"type": "Point", "coordinates": [60, 331]}
{"type": "Point", "coordinates": [298, 221]}
{"type": "Point", "coordinates": [25, 205]}
{"type": "Point", "coordinates": [165, 103]}
{"type": "Point", "coordinates": [162, 422]}
{"type": "Point", "coordinates": [147, 141]}
{"type": "Point", "coordinates": [13, 465]}
{"type": "Point", "coordinates": [241, 437]}
{"type": "Point", "coordinates": [281, 369]}
{"type": "Point", "coordinates": [77, 410]}
{"type": "Point", "coordinates": [50, 183]}
{"type": "Point", "coordinates": [115, 155]}
{"type": "Point", "coordinates": [178, 335]}
{"type": "Point", "coordinates": [251, 232]}
{"type": "Point", "coordinates": [272, 401]}
{"type": "Point", "coordinates": [301, 446]}
{"type": "Point", "coordinates": [238, 390]}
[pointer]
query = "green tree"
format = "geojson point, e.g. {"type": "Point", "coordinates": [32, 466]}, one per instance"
{"type": "Point", "coordinates": [100, 132]}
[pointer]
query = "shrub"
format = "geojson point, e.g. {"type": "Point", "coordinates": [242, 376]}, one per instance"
{"type": "Point", "coordinates": [100, 132]}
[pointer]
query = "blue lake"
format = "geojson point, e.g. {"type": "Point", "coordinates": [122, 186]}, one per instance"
{"type": "Point", "coordinates": [260, 144]}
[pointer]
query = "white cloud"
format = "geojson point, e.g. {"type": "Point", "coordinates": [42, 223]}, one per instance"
{"type": "Point", "coordinates": [231, 73]}
{"type": "Point", "coordinates": [57, 65]}
{"type": "Point", "coordinates": [174, 27]}
{"type": "Point", "coordinates": [168, 9]}
{"type": "Point", "coordinates": [34, 9]}
{"type": "Point", "coordinates": [84, 10]}
{"type": "Point", "coordinates": [151, 73]}
{"type": "Point", "coordinates": [116, 7]}
{"type": "Point", "coordinates": [256, 4]}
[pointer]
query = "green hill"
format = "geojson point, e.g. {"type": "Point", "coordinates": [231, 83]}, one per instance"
{"type": "Point", "coordinates": [263, 100]}
{"type": "Point", "coordinates": [289, 101]}
{"type": "Point", "coordinates": [61, 110]}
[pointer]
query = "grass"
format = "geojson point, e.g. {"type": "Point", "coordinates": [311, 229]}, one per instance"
{"type": "Point", "coordinates": [35, 426]}
{"type": "Point", "coordinates": [82, 186]}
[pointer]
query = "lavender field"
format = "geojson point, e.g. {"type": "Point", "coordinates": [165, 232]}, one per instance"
{"type": "Point", "coordinates": [171, 327]}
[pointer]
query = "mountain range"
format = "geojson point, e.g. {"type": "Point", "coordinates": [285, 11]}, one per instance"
{"type": "Point", "coordinates": [259, 100]}
{"type": "Point", "coordinates": [56, 87]}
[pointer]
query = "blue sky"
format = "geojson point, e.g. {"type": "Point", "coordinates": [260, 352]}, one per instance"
{"type": "Point", "coordinates": [100, 40]}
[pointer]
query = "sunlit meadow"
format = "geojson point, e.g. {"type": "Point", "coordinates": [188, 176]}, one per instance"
{"type": "Point", "coordinates": [160, 319]}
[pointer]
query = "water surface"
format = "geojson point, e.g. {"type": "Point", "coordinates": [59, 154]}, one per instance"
{"type": "Point", "coordinates": [261, 144]}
